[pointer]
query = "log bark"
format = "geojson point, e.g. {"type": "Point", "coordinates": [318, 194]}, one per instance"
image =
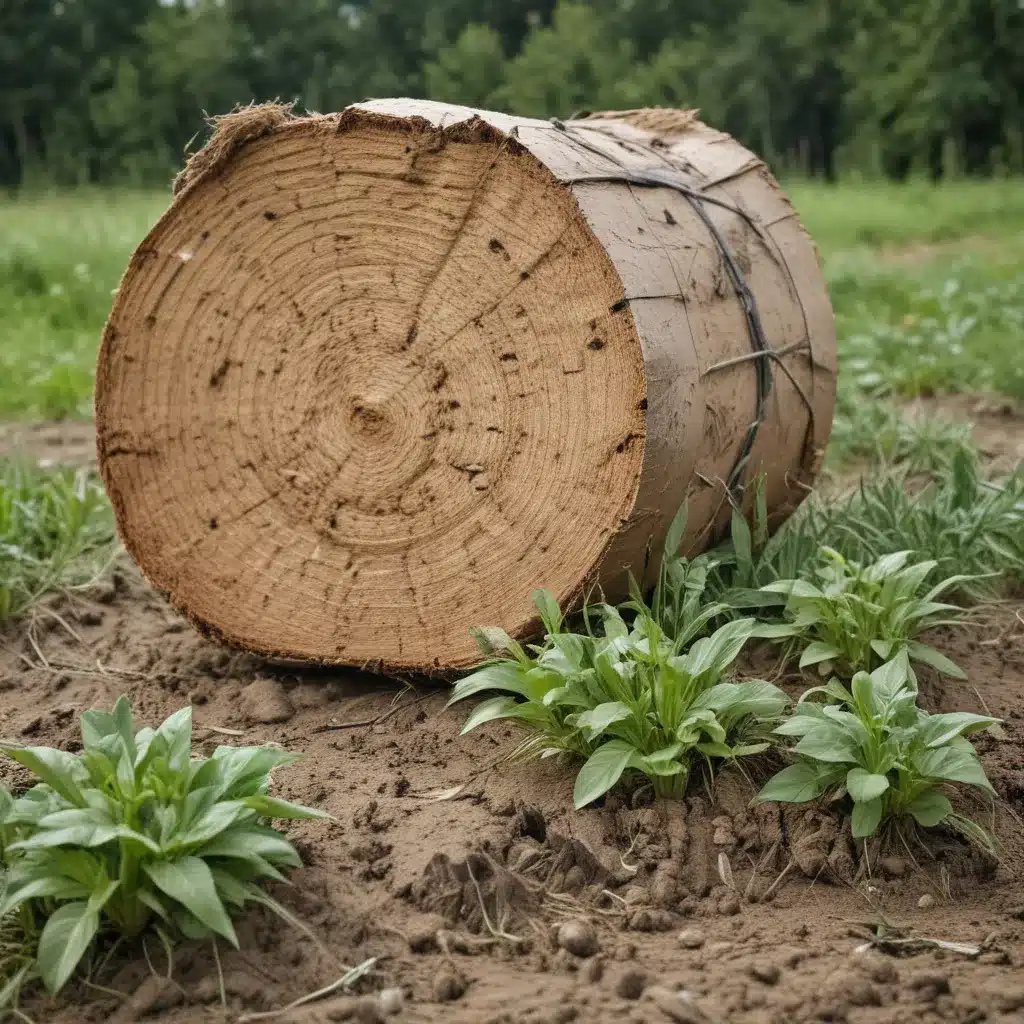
{"type": "Point", "coordinates": [376, 376]}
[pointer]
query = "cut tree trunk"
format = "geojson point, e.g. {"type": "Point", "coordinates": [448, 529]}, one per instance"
{"type": "Point", "coordinates": [376, 376]}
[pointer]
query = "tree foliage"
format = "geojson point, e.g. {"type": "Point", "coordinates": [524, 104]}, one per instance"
{"type": "Point", "coordinates": [113, 90]}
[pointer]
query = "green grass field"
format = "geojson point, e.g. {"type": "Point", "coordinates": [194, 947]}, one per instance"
{"type": "Point", "coordinates": [927, 284]}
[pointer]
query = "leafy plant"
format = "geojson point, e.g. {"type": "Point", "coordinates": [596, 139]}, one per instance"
{"type": "Point", "coordinates": [627, 701]}
{"type": "Point", "coordinates": [857, 617]}
{"type": "Point", "coordinates": [133, 833]}
{"type": "Point", "coordinates": [635, 697]}
{"type": "Point", "coordinates": [873, 743]}
{"type": "Point", "coordinates": [55, 531]}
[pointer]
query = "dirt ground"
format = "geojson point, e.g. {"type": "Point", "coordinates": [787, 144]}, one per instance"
{"type": "Point", "coordinates": [485, 898]}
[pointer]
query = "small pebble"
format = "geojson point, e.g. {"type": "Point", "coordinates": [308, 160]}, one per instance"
{"type": "Point", "coordinates": [767, 974]}
{"type": "Point", "coordinates": [265, 701]}
{"type": "Point", "coordinates": [929, 985]}
{"type": "Point", "coordinates": [894, 867]}
{"type": "Point", "coordinates": [691, 938]}
{"type": "Point", "coordinates": [850, 987]}
{"type": "Point", "coordinates": [729, 906]}
{"type": "Point", "coordinates": [578, 937]}
{"type": "Point", "coordinates": [391, 1000]}
{"type": "Point", "coordinates": [367, 1010]}
{"type": "Point", "coordinates": [926, 902]}
{"type": "Point", "coordinates": [630, 983]}
{"type": "Point", "coordinates": [422, 932]}
{"type": "Point", "coordinates": [675, 1006]}
{"type": "Point", "coordinates": [449, 986]}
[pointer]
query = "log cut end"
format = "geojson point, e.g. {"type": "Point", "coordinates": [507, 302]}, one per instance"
{"type": "Point", "coordinates": [367, 383]}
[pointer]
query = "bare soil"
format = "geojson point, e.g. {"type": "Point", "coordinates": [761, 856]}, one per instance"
{"type": "Point", "coordinates": [468, 898]}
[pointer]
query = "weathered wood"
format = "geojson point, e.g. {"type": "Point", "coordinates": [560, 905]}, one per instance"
{"type": "Point", "coordinates": [376, 376]}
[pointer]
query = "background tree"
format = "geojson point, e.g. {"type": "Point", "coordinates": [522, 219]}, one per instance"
{"type": "Point", "coordinates": [113, 90]}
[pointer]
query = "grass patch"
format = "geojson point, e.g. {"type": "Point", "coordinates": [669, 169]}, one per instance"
{"type": "Point", "coordinates": [61, 257]}
{"type": "Point", "coordinates": [56, 532]}
{"type": "Point", "coordinates": [885, 214]}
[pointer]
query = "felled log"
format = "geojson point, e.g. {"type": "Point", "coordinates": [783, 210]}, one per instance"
{"type": "Point", "coordinates": [376, 376]}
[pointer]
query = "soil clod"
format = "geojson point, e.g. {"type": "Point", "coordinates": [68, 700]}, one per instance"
{"type": "Point", "coordinates": [579, 938]}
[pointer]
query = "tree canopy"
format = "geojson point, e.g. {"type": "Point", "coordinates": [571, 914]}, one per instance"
{"type": "Point", "coordinates": [116, 90]}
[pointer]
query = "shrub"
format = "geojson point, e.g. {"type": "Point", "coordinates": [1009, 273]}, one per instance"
{"type": "Point", "coordinates": [872, 743]}
{"type": "Point", "coordinates": [133, 833]}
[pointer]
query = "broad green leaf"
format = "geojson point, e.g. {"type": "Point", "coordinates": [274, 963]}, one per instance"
{"type": "Point", "coordinates": [797, 725]}
{"type": "Point", "coordinates": [865, 818]}
{"type": "Point", "coordinates": [863, 786]}
{"type": "Point", "coordinates": [56, 886]}
{"type": "Point", "coordinates": [938, 661]}
{"type": "Point", "coordinates": [595, 722]}
{"type": "Point", "coordinates": [507, 675]}
{"type": "Point", "coordinates": [891, 677]}
{"type": "Point", "coordinates": [850, 722]}
{"type": "Point", "coordinates": [60, 770]}
{"type": "Point", "coordinates": [793, 588]}
{"type": "Point", "coordinates": [659, 767]}
{"type": "Point", "coordinates": [887, 565]}
{"type": "Point", "coordinates": [550, 613]}
{"type": "Point", "coordinates": [65, 938]}
{"type": "Point", "coordinates": [245, 843]}
{"type": "Point", "coordinates": [189, 882]}
{"type": "Point", "coordinates": [602, 770]}
{"type": "Point", "coordinates": [930, 808]}
{"type": "Point", "coordinates": [741, 540]}
{"type": "Point", "coordinates": [218, 817]}
{"type": "Point", "coordinates": [87, 836]}
{"type": "Point", "coordinates": [937, 730]}
{"type": "Point", "coordinates": [271, 807]}
{"type": "Point", "coordinates": [796, 784]}
{"type": "Point", "coordinates": [955, 763]}
{"type": "Point", "coordinates": [674, 536]}
{"type": "Point", "coordinates": [176, 732]}
{"type": "Point", "coordinates": [493, 640]}
{"type": "Point", "coordinates": [122, 716]}
{"type": "Point", "coordinates": [489, 711]}
{"type": "Point", "coordinates": [817, 652]}
{"type": "Point", "coordinates": [711, 655]}
{"type": "Point", "coordinates": [754, 697]}
{"type": "Point", "coordinates": [749, 749]}
{"type": "Point", "coordinates": [775, 630]}
{"type": "Point", "coordinates": [714, 749]}
{"type": "Point", "coordinates": [95, 726]}
{"type": "Point", "coordinates": [829, 742]}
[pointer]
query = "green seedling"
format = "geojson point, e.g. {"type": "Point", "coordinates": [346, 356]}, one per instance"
{"type": "Point", "coordinates": [855, 617]}
{"type": "Point", "coordinates": [132, 833]}
{"type": "Point", "coordinates": [872, 742]}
